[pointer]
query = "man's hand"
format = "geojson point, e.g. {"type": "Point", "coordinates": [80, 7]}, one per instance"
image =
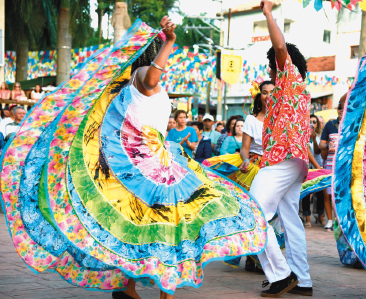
{"type": "Point", "coordinates": [186, 138]}
{"type": "Point", "coordinates": [266, 6]}
{"type": "Point", "coordinates": [244, 166]}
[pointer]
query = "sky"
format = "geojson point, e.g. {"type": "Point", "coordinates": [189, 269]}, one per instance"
{"type": "Point", "coordinates": [189, 7]}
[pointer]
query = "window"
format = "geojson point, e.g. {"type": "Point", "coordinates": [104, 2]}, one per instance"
{"type": "Point", "coordinates": [354, 52]}
{"type": "Point", "coordinates": [326, 36]}
{"type": "Point", "coordinates": [287, 27]}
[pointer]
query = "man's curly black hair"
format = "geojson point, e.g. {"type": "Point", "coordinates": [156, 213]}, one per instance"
{"type": "Point", "coordinates": [148, 55]}
{"type": "Point", "coordinates": [297, 59]}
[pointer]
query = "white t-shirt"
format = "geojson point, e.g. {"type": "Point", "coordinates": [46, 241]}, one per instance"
{"type": "Point", "coordinates": [37, 95]}
{"type": "Point", "coordinates": [317, 157]}
{"type": "Point", "coordinates": [3, 123]}
{"type": "Point", "coordinates": [253, 127]}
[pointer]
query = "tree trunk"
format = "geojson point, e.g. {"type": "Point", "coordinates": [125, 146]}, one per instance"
{"type": "Point", "coordinates": [63, 43]}
{"type": "Point", "coordinates": [22, 60]}
{"type": "Point", "coordinates": [362, 47]}
{"type": "Point", "coordinates": [120, 20]}
{"type": "Point", "coordinates": [100, 17]}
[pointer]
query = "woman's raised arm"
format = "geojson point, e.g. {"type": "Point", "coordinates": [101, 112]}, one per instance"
{"type": "Point", "coordinates": [148, 77]}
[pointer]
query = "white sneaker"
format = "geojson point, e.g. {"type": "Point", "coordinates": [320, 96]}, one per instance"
{"type": "Point", "coordinates": [329, 225]}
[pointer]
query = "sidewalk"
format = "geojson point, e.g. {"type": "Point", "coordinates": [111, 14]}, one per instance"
{"type": "Point", "coordinates": [330, 278]}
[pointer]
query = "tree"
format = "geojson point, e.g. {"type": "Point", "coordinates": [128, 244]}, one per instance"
{"type": "Point", "coordinates": [151, 11]}
{"type": "Point", "coordinates": [120, 20]}
{"type": "Point", "coordinates": [63, 43]}
{"type": "Point", "coordinates": [25, 25]}
{"type": "Point", "coordinates": [104, 7]}
{"type": "Point", "coordinates": [190, 37]}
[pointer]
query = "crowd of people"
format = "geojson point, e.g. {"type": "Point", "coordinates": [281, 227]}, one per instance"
{"type": "Point", "coordinates": [144, 210]}
{"type": "Point", "coordinates": [208, 138]}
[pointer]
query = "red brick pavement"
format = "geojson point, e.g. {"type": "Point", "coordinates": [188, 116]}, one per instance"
{"type": "Point", "coordinates": [330, 278]}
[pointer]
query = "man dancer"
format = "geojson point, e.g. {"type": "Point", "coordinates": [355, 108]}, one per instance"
{"type": "Point", "coordinates": [286, 136]}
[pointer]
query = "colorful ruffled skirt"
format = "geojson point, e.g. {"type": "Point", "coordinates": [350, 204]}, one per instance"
{"type": "Point", "coordinates": [90, 194]}
{"type": "Point", "coordinates": [349, 182]}
{"type": "Point", "coordinates": [228, 165]}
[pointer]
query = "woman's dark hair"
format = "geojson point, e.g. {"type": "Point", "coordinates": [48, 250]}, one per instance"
{"type": "Point", "coordinates": [178, 112]}
{"type": "Point", "coordinates": [227, 126]}
{"type": "Point", "coordinates": [297, 59]}
{"type": "Point", "coordinates": [257, 106]}
{"type": "Point", "coordinates": [318, 129]}
{"type": "Point", "coordinates": [40, 88]}
{"type": "Point", "coordinates": [2, 114]}
{"type": "Point", "coordinates": [198, 124]}
{"type": "Point", "coordinates": [233, 133]}
{"type": "Point", "coordinates": [148, 55]}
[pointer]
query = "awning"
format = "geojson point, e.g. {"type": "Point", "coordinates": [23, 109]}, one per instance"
{"type": "Point", "coordinates": [29, 84]}
{"type": "Point", "coordinates": [317, 95]}
{"type": "Point", "coordinates": [327, 114]}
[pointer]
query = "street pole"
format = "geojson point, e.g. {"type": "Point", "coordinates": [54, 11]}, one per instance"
{"type": "Point", "coordinates": [225, 88]}
{"type": "Point", "coordinates": [362, 47]}
{"type": "Point", "coordinates": [208, 99]}
{"type": "Point", "coordinates": [219, 96]}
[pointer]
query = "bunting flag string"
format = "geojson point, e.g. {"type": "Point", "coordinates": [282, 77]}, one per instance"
{"type": "Point", "coordinates": [185, 72]}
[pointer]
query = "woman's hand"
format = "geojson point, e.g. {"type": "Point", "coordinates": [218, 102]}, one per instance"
{"type": "Point", "coordinates": [168, 28]}
{"type": "Point", "coordinates": [313, 135]}
{"type": "Point", "coordinates": [244, 166]}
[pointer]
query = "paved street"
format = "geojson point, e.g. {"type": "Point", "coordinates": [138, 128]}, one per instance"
{"type": "Point", "coordinates": [330, 278]}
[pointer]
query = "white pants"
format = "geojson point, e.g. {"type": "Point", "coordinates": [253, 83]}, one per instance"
{"type": "Point", "coordinates": [277, 188]}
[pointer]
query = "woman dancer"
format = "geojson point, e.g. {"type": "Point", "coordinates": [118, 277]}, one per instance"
{"type": "Point", "coordinates": [96, 194]}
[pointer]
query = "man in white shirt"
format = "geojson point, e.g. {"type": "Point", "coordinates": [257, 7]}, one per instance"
{"type": "Point", "coordinates": [12, 127]}
{"type": "Point", "coordinates": [7, 120]}
{"type": "Point", "coordinates": [208, 131]}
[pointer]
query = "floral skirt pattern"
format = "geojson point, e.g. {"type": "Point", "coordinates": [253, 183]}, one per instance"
{"type": "Point", "coordinates": [349, 165]}
{"type": "Point", "coordinates": [95, 197]}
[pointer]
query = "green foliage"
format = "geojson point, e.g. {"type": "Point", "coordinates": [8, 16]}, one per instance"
{"type": "Point", "coordinates": [190, 37]}
{"type": "Point", "coordinates": [26, 22]}
{"type": "Point", "coordinates": [150, 11]}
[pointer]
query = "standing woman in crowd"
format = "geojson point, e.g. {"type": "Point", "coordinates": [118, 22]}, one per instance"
{"type": "Point", "coordinates": [316, 162]}
{"type": "Point", "coordinates": [232, 144]}
{"type": "Point", "coordinates": [203, 148]}
{"type": "Point", "coordinates": [225, 133]}
{"type": "Point", "coordinates": [5, 92]}
{"type": "Point", "coordinates": [17, 93]}
{"type": "Point", "coordinates": [37, 93]}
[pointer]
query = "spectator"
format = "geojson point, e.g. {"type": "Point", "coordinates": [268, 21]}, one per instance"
{"type": "Point", "coordinates": [37, 93]}
{"type": "Point", "coordinates": [219, 127]}
{"type": "Point", "coordinates": [6, 112]}
{"type": "Point", "coordinates": [316, 162]}
{"type": "Point", "coordinates": [208, 131]}
{"type": "Point", "coordinates": [18, 94]}
{"type": "Point", "coordinates": [232, 144]}
{"type": "Point", "coordinates": [225, 133]}
{"type": "Point", "coordinates": [5, 92]}
{"type": "Point", "coordinates": [171, 125]}
{"type": "Point", "coordinates": [185, 136]}
{"type": "Point", "coordinates": [328, 144]}
{"type": "Point", "coordinates": [10, 128]}
{"type": "Point", "coordinates": [9, 119]}
{"type": "Point", "coordinates": [321, 120]}
{"type": "Point", "coordinates": [203, 149]}
{"type": "Point", "coordinates": [199, 118]}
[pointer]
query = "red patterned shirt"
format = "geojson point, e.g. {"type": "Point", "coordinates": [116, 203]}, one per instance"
{"type": "Point", "coordinates": [286, 132]}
